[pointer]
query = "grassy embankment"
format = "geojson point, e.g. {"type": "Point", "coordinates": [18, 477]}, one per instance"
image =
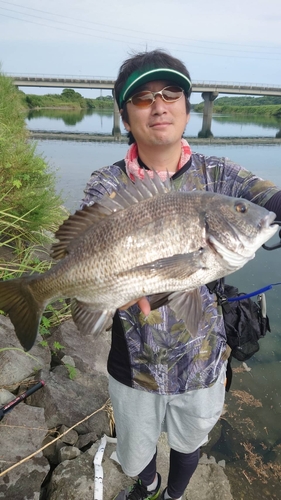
{"type": "Point", "coordinates": [31, 210]}
{"type": "Point", "coordinates": [246, 106]}
{"type": "Point", "coordinates": [68, 99]}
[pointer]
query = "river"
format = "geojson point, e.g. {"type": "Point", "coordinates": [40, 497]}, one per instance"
{"type": "Point", "coordinates": [251, 427]}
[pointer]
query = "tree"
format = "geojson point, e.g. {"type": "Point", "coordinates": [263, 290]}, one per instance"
{"type": "Point", "coordinates": [71, 95]}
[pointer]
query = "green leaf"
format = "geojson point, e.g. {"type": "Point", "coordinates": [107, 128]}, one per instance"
{"type": "Point", "coordinates": [17, 183]}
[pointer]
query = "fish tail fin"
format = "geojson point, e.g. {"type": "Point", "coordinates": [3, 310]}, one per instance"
{"type": "Point", "coordinates": [17, 300]}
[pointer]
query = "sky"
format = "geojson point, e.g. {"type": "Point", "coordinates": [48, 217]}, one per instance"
{"type": "Point", "coordinates": [219, 41]}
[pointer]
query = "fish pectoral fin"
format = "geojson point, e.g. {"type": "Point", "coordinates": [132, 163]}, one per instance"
{"type": "Point", "coordinates": [179, 266]}
{"type": "Point", "coordinates": [89, 320]}
{"type": "Point", "coordinates": [188, 307]}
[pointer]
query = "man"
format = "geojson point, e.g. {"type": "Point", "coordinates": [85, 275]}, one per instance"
{"type": "Point", "coordinates": [160, 377]}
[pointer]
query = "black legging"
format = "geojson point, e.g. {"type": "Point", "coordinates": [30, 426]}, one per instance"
{"type": "Point", "coordinates": [182, 467]}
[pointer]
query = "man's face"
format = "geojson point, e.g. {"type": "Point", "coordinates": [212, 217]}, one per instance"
{"type": "Point", "coordinates": [162, 123]}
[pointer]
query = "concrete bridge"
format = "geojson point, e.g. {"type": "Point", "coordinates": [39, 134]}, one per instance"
{"type": "Point", "coordinates": [208, 90]}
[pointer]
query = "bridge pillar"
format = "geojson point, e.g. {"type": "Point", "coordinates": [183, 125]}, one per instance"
{"type": "Point", "coordinates": [116, 131]}
{"type": "Point", "coordinates": [209, 98]}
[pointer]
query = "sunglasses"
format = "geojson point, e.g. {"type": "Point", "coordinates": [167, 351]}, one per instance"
{"type": "Point", "coordinates": [146, 98]}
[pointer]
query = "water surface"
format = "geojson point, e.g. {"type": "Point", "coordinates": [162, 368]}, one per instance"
{"type": "Point", "coordinates": [101, 122]}
{"type": "Point", "coordinates": [259, 425]}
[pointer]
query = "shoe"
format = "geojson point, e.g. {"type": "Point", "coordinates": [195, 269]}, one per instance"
{"type": "Point", "coordinates": [162, 495]}
{"type": "Point", "coordinates": [139, 492]}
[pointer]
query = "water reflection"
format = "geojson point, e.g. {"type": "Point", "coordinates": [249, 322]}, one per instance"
{"type": "Point", "coordinates": [101, 122]}
{"type": "Point", "coordinates": [69, 117]}
{"type": "Point", "coordinates": [266, 122]}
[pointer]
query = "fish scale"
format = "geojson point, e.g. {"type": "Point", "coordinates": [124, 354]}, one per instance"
{"type": "Point", "coordinates": [144, 239]}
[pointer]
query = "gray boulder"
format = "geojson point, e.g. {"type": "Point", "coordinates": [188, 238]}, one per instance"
{"type": "Point", "coordinates": [21, 434]}
{"type": "Point", "coordinates": [67, 401]}
{"type": "Point", "coordinates": [15, 364]}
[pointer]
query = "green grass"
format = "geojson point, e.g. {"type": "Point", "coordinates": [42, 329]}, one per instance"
{"type": "Point", "coordinates": [273, 110]}
{"type": "Point", "coordinates": [30, 208]}
{"type": "Point", "coordinates": [246, 106]}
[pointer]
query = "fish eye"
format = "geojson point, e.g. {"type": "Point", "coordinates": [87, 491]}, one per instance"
{"type": "Point", "coordinates": [241, 207]}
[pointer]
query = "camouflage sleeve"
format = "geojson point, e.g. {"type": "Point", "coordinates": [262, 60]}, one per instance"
{"type": "Point", "coordinates": [229, 178]}
{"type": "Point", "coordinates": [101, 182]}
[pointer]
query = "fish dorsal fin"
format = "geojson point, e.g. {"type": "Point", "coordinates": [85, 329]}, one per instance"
{"type": "Point", "coordinates": [130, 193]}
{"type": "Point", "coordinates": [124, 196]}
{"type": "Point", "coordinates": [75, 226]}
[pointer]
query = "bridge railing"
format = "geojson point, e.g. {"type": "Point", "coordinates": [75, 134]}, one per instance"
{"type": "Point", "coordinates": [106, 79]}
{"type": "Point", "coordinates": [60, 77]}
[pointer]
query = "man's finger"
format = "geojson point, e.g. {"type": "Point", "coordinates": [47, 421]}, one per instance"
{"type": "Point", "coordinates": [142, 303]}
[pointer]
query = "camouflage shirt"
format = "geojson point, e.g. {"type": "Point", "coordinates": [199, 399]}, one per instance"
{"type": "Point", "coordinates": [157, 353]}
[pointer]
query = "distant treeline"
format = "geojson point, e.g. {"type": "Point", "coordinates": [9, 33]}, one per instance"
{"type": "Point", "coordinates": [246, 105]}
{"type": "Point", "coordinates": [69, 98]}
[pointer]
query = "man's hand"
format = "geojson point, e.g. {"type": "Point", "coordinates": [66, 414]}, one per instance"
{"type": "Point", "coordinates": [142, 303]}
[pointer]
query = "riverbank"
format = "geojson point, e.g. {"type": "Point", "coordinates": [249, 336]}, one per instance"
{"type": "Point", "coordinates": [83, 137]}
{"type": "Point", "coordinates": [68, 99]}
{"type": "Point", "coordinates": [246, 106]}
{"type": "Point", "coordinates": [64, 467]}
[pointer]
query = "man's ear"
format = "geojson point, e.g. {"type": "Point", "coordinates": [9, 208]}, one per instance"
{"type": "Point", "coordinates": [125, 123]}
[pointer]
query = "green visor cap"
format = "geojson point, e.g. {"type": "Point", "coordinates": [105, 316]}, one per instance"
{"type": "Point", "coordinates": [142, 76]}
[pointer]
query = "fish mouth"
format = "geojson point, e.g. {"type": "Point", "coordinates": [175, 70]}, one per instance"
{"type": "Point", "coordinates": [268, 222]}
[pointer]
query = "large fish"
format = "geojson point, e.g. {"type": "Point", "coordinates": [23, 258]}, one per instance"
{"type": "Point", "coordinates": [144, 239]}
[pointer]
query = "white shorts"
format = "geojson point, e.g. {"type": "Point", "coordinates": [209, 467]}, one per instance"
{"type": "Point", "coordinates": [141, 416]}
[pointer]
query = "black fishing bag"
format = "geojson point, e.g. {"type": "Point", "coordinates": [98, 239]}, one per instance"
{"type": "Point", "coordinates": [244, 323]}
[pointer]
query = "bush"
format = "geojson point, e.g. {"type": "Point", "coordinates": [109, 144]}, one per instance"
{"type": "Point", "coordinates": [27, 186]}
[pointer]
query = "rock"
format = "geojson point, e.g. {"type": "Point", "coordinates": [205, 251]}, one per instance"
{"type": "Point", "coordinates": [15, 364]}
{"type": "Point", "coordinates": [89, 353]}
{"type": "Point", "coordinates": [68, 360]}
{"type": "Point", "coordinates": [204, 459]}
{"type": "Point", "coordinates": [60, 405]}
{"type": "Point", "coordinates": [5, 397]}
{"type": "Point", "coordinates": [25, 481]}
{"type": "Point", "coordinates": [72, 480]}
{"type": "Point", "coordinates": [21, 434]}
{"type": "Point", "coordinates": [52, 451]}
{"type": "Point", "coordinates": [68, 453]}
{"type": "Point", "coordinates": [71, 437]}
{"type": "Point", "coordinates": [69, 401]}
{"type": "Point", "coordinates": [86, 440]}
{"type": "Point", "coordinates": [209, 482]}
{"type": "Point", "coordinates": [75, 479]}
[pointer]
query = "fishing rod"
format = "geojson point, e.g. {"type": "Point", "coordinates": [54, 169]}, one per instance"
{"type": "Point", "coordinates": [9, 406]}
